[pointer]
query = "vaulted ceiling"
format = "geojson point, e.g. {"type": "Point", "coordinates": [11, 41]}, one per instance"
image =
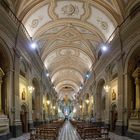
{"type": "Point", "coordinates": [69, 34]}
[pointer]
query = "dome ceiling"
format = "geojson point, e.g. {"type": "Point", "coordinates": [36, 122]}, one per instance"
{"type": "Point", "coordinates": [69, 34]}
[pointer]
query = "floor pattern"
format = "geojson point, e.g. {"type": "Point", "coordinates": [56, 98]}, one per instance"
{"type": "Point", "coordinates": [69, 133]}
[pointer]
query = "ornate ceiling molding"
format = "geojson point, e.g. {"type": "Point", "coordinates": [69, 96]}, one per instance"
{"type": "Point", "coordinates": [65, 22]}
{"type": "Point", "coordinates": [69, 34]}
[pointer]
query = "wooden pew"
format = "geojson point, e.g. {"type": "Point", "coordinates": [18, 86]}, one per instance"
{"type": "Point", "coordinates": [91, 130]}
{"type": "Point", "coordinates": [47, 131]}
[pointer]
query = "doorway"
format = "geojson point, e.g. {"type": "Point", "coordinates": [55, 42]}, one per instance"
{"type": "Point", "coordinates": [23, 118]}
{"type": "Point", "coordinates": [114, 117]}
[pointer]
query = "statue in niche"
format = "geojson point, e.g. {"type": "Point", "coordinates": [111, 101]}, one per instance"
{"type": "Point", "coordinates": [113, 95]}
{"type": "Point", "coordinates": [23, 94]}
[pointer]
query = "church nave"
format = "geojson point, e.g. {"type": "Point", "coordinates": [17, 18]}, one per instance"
{"type": "Point", "coordinates": [69, 65]}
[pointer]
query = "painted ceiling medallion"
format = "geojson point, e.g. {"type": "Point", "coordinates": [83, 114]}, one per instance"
{"type": "Point", "coordinates": [35, 23]}
{"type": "Point", "coordinates": [102, 23]}
{"type": "Point", "coordinates": [70, 10]}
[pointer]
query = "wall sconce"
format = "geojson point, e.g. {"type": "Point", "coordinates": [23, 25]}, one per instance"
{"type": "Point", "coordinates": [48, 102]}
{"type": "Point", "coordinates": [107, 88]}
{"type": "Point", "coordinates": [59, 111]}
{"type": "Point", "coordinates": [87, 101]}
{"type": "Point", "coordinates": [80, 106]}
{"type": "Point", "coordinates": [30, 89]}
{"type": "Point", "coordinates": [74, 111]}
{"type": "Point", "coordinates": [54, 107]}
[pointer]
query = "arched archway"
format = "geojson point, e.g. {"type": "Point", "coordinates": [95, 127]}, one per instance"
{"type": "Point", "coordinates": [100, 101]}
{"type": "Point", "coordinates": [6, 86]}
{"type": "Point", "coordinates": [132, 65]}
{"type": "Point", "coordinates": [132, 68]}
{"type": "Point", "coordinates": [6, 65]}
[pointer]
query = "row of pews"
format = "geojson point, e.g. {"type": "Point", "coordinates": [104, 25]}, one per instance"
{"type": "Point", "coordinates": [47, 131]}
{"type": "Point", "coordinates": [88, 130]}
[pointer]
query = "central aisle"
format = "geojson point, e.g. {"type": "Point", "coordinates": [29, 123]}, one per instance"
{"type": "Point", "coordinates": [68, 132]}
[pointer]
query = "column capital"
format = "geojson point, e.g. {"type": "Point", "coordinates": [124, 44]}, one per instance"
{"type": "Point", "coordinates": [137, 81]}
{"type": "Point", "coordinates": [1, 73]}
{"type": "Point", "coordinates": [136, 73]}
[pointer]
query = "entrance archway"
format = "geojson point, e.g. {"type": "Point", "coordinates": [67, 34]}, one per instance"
{"type": "Point", "coordinates": [24, 118]}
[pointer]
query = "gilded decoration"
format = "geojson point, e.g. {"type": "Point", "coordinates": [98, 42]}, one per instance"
{"type": "Point", "coordinates": [113, 95]}
{"type": "Point", "coordinates": [23, 94]}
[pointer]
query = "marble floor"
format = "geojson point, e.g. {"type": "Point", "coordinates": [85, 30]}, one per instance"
{"type": "Point", "coordinates": [69, 133]}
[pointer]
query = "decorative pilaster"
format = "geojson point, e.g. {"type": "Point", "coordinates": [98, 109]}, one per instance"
{"type": "Point", "coordinates": [1, 75]}
{"type": "Point", "coordinates": [136, 75]}
{"type": "Point", "coordinates": [98, 111]}
{"type": "Point", "coordinates": [30, 121]}
{"type": "Point", "coordinates": [134, 121]}
{"type": "Point", "coordinates": [122, 113]}
{"type": "Point", "coordinates": [107, 95]}
{"type": "Point", "coordinates": [16, 108]}
{"type": "Point", "coordinates": [4, 122]}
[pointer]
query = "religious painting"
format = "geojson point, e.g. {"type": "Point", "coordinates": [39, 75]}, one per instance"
{"type": "Point", "coordinates": [23, 94]}
{"type": "Point", "coordinates": [113, 95]}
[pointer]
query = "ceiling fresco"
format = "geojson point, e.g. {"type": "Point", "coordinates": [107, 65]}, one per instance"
{"type": "Point", "coordinates": [69, 34]}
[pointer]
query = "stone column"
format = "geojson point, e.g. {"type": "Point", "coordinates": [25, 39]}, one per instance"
{"type": "Point", "coordinates": [95, 104]}
{"type": "Point", "coordinates": [30, 120]}
{"type": "Point", "coordinates": [8, 91]}
{"type": "Point", "coordinates": [98, 111]}
{"type": "Point", "coordinates": [107, 96]}
{"type": "Point", "coordinates": [132, 127]}
{"type": "Point", "coordinates": [1, 75]}
{"type": "Point", "coordinates": [136, 75]}
{"type": "Point", "coordinates": [4, 122]}
{"type": "Point", "coordinates": [121, 98]}
{"type": "Point", "coordinates": [120, 103]}
{"type": "Point", "coordinates": [107, 107]}
{"type": "Point", "coordinates": [41, 107]}
{"type": "Point", "coordinates": [17, 128]}
{"type": "Point", "coordinates": [48, 110]}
